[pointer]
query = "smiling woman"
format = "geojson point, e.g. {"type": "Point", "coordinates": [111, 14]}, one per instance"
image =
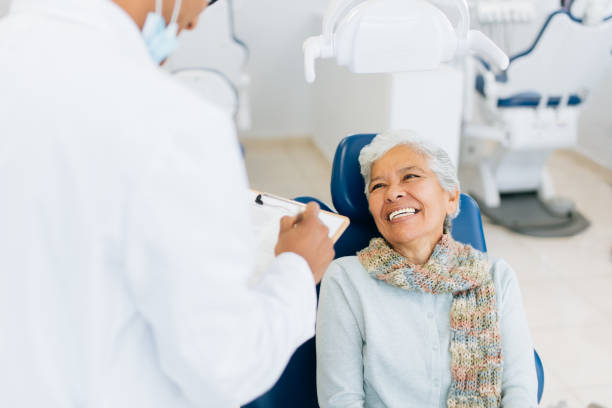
{"type": "Point", "coordinates": [416, 318]}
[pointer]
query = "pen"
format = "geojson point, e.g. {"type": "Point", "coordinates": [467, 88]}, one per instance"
{"type": "Point", "coordinates": [259, 200]}
{"type": "Point", "coordinates": [291, 207]}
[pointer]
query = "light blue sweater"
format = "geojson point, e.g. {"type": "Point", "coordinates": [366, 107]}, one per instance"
{"type": "Point", "coordinates": [381, 346]}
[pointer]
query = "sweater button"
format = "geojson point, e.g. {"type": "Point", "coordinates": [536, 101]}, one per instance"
{"type": "Point", "coordinates": [430, 315]}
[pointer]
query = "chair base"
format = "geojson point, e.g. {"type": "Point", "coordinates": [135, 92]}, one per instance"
{"type": "Point", "coordinates": [526, 214]}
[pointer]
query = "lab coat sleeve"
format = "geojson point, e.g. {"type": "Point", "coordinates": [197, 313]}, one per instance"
{"type": "Point", "coordinates": [222, 341]}
{"type": "Point", "coordinates": [519, 380]}
{"type": "Point", "coordinates": [339, 345]}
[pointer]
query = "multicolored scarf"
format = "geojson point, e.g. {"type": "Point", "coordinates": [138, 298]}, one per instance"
{"type": "Point", "coordinates": [476, 352]}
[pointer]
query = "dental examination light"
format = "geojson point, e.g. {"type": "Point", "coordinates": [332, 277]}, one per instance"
{"type": "Point", "coordinates": [215, 85]}
{"type": "Point", "coordinates": [389, 36]}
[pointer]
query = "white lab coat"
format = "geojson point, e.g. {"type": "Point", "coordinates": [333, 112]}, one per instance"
{"type": "Point", "coordinates": [125, 249]}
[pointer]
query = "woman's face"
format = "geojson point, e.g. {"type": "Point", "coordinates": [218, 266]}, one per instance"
{"type": "Point", "coordinates": [406, 200]}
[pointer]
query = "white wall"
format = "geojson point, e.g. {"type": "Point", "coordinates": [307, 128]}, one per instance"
{"type": "Point", "coordinates": [344, 103]}
{"type": "Point", "coordinates": [4, 6]}
{"type": "Point", "coordinates": [595, 125]}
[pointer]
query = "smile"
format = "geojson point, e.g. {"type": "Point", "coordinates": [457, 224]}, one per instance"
{"type": "Point", "coordinates": [403, 212]}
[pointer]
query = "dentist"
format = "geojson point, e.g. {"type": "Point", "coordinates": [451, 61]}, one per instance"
{"type": "Point", "coordinates": [125, 252]}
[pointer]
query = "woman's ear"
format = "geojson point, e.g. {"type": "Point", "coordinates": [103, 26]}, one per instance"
{"type": "Point", "coordinates": [453, 202]}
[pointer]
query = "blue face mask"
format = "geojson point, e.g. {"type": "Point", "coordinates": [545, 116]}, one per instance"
{"type": "Point", "coordinates": [161, 40]}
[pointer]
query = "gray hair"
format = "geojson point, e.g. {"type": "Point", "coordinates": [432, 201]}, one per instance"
{"type": "Point", "coordinates": [438, 160]}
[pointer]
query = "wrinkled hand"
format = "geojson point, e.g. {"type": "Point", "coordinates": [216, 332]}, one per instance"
{"type": "Point", "coordinates": [307, 236]}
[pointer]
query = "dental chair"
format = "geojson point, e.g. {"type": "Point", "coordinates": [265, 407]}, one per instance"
{"type": "Point", "coordinates": [297, 386]}
{"type": "Point", "coordinates": [525, 113]}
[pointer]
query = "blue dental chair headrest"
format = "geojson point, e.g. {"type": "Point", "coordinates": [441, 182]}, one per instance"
{"type": "Point", "coordinates": [347, 184]}
{"type": "Point", "coordinates": [348, 196]}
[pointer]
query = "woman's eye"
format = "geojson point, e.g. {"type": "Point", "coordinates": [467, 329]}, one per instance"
{"type": "Point", "coordinates": [410, 176]}
{"type": "Point", "coordinates": [375, 186]}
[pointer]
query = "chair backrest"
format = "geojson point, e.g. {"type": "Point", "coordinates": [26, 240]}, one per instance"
{"type": "Point", "coordinates": [347, 188]}
{"type": "Point", "coordinates": [550, 66]}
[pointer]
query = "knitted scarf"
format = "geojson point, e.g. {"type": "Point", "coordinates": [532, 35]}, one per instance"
{"type": "Point", "coordinates": [475, 347]}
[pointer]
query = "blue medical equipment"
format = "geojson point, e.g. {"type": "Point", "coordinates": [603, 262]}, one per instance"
{"type": "Point", "coordinates": [297, 386]}
{"type": "Point", "coordinates": [525, 113]}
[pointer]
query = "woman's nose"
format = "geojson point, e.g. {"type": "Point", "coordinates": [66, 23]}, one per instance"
{"type": "Point", "coordinates": [394, 193]}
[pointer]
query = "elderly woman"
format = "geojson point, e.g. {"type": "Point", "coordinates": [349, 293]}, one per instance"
{"type": "Point", "coordinates": [417, 319]}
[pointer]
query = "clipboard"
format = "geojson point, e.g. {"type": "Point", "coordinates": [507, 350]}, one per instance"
{"type": "Point", "coordinates": [266, 211]}
{"type": "Point", "coordinates": [271, 206]}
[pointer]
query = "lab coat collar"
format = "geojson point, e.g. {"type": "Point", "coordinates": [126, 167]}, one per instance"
{"type": "Point", "coordinates": [103, 15]}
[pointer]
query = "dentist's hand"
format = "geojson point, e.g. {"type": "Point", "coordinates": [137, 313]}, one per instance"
{"type": "Point", "coordinates": [308, 237]}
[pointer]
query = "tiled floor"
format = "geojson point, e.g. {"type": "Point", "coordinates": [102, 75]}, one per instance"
{"type": "Point", "coordinates": [566, 282]}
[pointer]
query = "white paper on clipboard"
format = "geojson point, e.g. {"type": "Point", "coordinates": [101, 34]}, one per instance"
{"type": "Point", "coordinates": [266, 218]}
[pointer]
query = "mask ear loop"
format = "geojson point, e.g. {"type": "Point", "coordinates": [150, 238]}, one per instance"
{"type": "Point", "coordinates": [176, 11]}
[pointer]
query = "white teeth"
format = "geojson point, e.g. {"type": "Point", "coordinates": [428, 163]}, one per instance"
{"type": "Point", "coordinates": [401, 213]}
